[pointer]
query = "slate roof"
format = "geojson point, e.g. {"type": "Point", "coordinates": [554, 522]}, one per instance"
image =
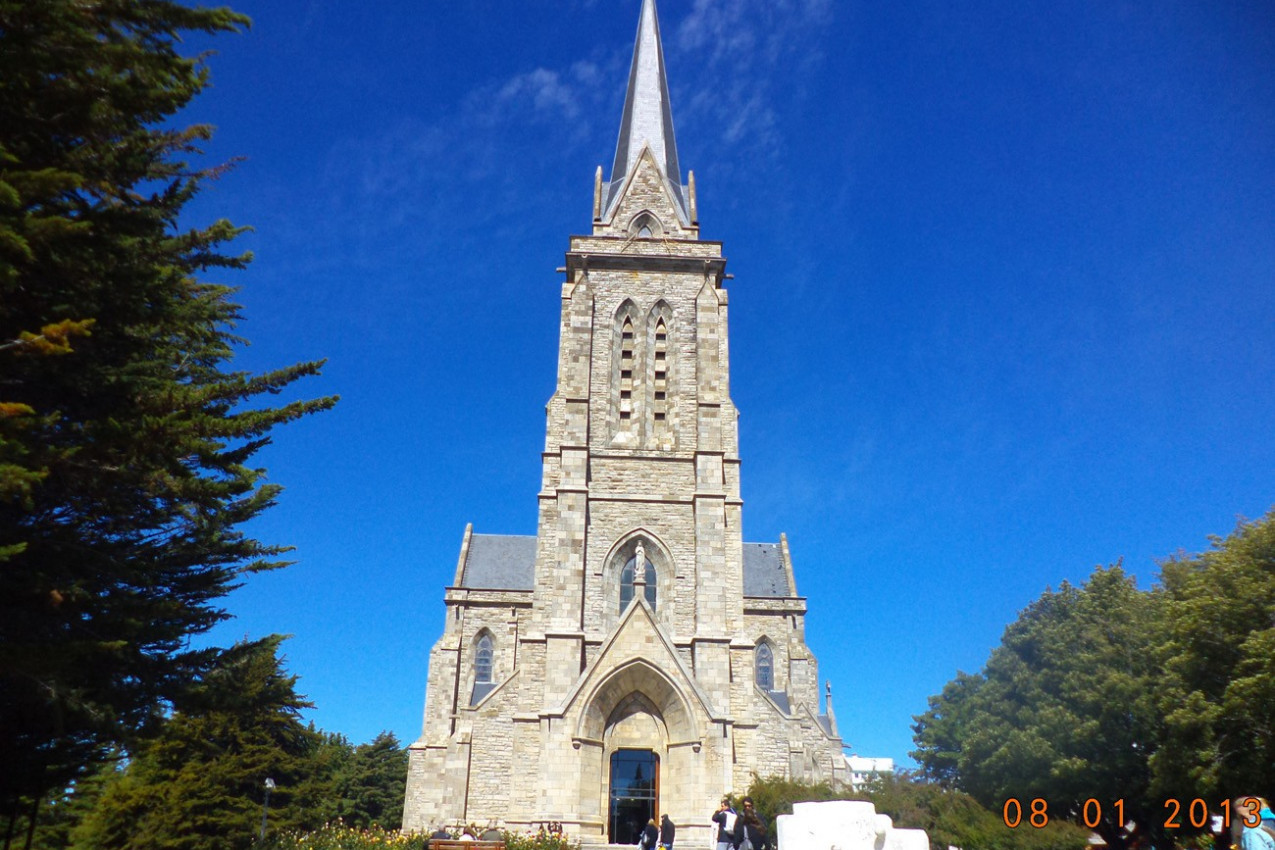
{"type": "Point", "coordinates": [764, 573]}
{"type": "Point", "coordinates": [508, 562]}
{"type": "Point", "coordinates": [780, 698]}
{"type": "Point", "coordinates": [500, 562]}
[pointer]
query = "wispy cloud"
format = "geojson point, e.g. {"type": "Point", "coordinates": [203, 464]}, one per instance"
{"type": "Point", "coordinates": [733, 63]}
{"type": "Point", "coordinates": [544, 90]}
{"type": "Point", "coordinates": [748, 53]}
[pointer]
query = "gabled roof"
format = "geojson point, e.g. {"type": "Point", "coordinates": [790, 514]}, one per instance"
{"type": "Point", "coordinates": [508, 562]}
{"type": "Point", "coordinates": [647, 119]}
{"type": "Point", "coordinates": [764, 572]}
{"type": "Point", "coordinates": [500, 562]}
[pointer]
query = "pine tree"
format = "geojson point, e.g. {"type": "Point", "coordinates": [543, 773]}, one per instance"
{"type": "Point", "coordinates": [125, 439]}
{"type": "Point", "coordinates": [200, 785]}
{"type": "Point", "coordinates": [372, 786]}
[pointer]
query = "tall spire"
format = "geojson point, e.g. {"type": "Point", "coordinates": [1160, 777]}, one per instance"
{"type": "Point", "coordinates": [647, 118]}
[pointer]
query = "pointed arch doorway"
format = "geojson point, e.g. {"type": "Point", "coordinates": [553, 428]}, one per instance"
{"type": "Point", "coordinates": [635, 794]}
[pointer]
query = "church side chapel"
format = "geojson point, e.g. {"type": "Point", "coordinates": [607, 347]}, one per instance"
{"type": "Point", "coordinates": [635, 657]}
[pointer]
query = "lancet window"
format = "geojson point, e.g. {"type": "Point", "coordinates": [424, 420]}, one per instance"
{"type": "Point", "coordinates": [765, 667]}
{"type": "Point", "coordinates": [659, 377]}
{"type": "Point", "coordinates": [659, 372]}
{"type": "Point", "coordinates": [631, 580]}
{"type": "Point", "coordinates": [484, 655]}
{"type": "Point", "coordinates": [626, 372]}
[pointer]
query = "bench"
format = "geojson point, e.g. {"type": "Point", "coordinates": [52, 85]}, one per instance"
{"type": "Point", "coordinates": [455, 844]}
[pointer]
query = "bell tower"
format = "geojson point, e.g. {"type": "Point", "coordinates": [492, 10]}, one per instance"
{"type": "Point", "coordinates": [642, 445]}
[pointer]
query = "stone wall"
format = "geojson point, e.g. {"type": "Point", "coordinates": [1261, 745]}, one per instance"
{"type": "Point", "coordinates": [576, 678]}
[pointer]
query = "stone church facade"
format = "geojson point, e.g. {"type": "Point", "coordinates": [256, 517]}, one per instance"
{"type": "Point", "coordinates": [635, 656]}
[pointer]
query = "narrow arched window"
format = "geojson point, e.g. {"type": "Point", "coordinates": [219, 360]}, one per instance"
{"type": "Point", "coordinates": [659, 377]}
{"type": "Point", "coordinates": [626, 373]}
{"type": "Point", "coordinates": [483, 655]}
{"type": "Point", "coordinates": [629, 583]}
{"type": "Point", "coordinates": [765, 667]}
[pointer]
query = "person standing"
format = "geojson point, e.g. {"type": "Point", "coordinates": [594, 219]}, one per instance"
{"type": "Point", "coordinates": [726, 821]}
{"type": "Point", "coordinates": [650, 836]}
{"type": "Point", "coordinates": [667, 831]}
{"type": "Point", "coordinates": [751, 832]}
{"type": "Point", "coordinates": [1261, 836]}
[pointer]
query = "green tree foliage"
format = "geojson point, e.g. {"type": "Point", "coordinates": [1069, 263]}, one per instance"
{"type": "Point", "coordinates": [58, 814]}
{"type": "Point", "coordinates": [1218, 690]}
{"type": "Point", "coordinates": [949, 817]}
{"type": "Point", "coordinates": [356, 792]}
{"type": "Point", "coordinates": [952, 818]}
{"type": "Point", "coordinates": [361, 786]}
{"type": "Point", "coordinates": [371, 788]}
{"type": "Point", "coordinates": [1065, 709]}
{"type": "Point", "coordinates": [125, 442]}
{"type": "Point", "coordinates": [1110, 693]}
{"type": "Point", "coordinates": [200, 785]}
{"type": "Point", "coordinates": [774, 796]}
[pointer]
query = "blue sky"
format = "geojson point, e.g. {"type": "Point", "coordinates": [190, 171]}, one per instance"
{"type": "Point", "coordinates": [1002, 311]}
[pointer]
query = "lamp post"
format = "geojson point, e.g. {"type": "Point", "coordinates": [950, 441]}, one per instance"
{"type": "Point", "coordinates": [265, 810]}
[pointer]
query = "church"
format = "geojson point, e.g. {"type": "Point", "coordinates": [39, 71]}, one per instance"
{"type": "Point", "coordinates": [635, 657]}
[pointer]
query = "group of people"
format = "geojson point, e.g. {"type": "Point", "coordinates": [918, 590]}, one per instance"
{"type": "Point", "coordinates": [735, 831]}
{"type": "Point", "coordinates": [491, 833]}
{"type": "Point", "coordinates": [740, 831]}
{"type": "Point", "coordinates": [658, 836]}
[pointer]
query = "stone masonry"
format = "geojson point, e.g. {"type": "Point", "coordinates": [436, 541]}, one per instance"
{"type": "Point", "coordinates": [636, 620]}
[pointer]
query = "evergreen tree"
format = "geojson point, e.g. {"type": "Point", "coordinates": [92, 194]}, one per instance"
{"type": "Point", "coordinates": [59, 814]}
{"type": "Point", "coordinates": [1218, 688]}
{"type": "Point", "coordinates": [125, 441]}
{"type": "Point", "coordinates": [949, 817]}
{"type": "Point", "coordinates": [372, 786]}
{"type": "Point", "coordinates": [1065, 709]}
{"type": "Point", "coordinates": [1111, 693]}
{"type": "Point", "coordinates": [200, 785]}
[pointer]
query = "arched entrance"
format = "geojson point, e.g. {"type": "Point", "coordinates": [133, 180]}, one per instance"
{"type": "Point", "coordinates": [639, 718]}
{"type": "Point", "coordinates": [635, 794]}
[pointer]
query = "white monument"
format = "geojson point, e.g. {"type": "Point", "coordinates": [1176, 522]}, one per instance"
{"type": "Point", "coordinates": [844, 825]}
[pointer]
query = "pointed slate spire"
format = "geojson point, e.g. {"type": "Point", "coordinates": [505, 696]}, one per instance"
{"type": "Point", "coordinates": [647, 118]}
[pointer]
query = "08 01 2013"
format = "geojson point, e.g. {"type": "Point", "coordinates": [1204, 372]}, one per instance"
{"type": "Point", "coordinates": [1178, 813]}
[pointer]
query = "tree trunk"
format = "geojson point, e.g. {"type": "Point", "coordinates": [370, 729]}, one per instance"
{"type": "Point", "coordinates": [35, 810]}
{"type": "Point", "coordinates": [13, 822]}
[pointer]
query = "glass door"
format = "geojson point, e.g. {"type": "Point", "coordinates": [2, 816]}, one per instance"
{"type": "Point", "coordinates": [635, 793]}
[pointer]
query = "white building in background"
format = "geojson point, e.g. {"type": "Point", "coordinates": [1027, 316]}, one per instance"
{"type": "Point", "coordinates": [861, 769]}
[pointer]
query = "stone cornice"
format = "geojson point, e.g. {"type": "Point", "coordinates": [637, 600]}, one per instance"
{"type": "Point", "coordinates": [774, 605]}
{"type": "Point", "coordinates": [489, 596]}
{"type": "Point", "coordinates": [708, 265]}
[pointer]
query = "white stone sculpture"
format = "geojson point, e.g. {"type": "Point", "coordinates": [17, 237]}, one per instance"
{"type": "Point", "coordinates": [844, 825]}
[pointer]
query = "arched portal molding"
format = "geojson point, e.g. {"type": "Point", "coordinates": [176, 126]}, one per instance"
{"type": "Point", "coordinates": [667, 700]}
